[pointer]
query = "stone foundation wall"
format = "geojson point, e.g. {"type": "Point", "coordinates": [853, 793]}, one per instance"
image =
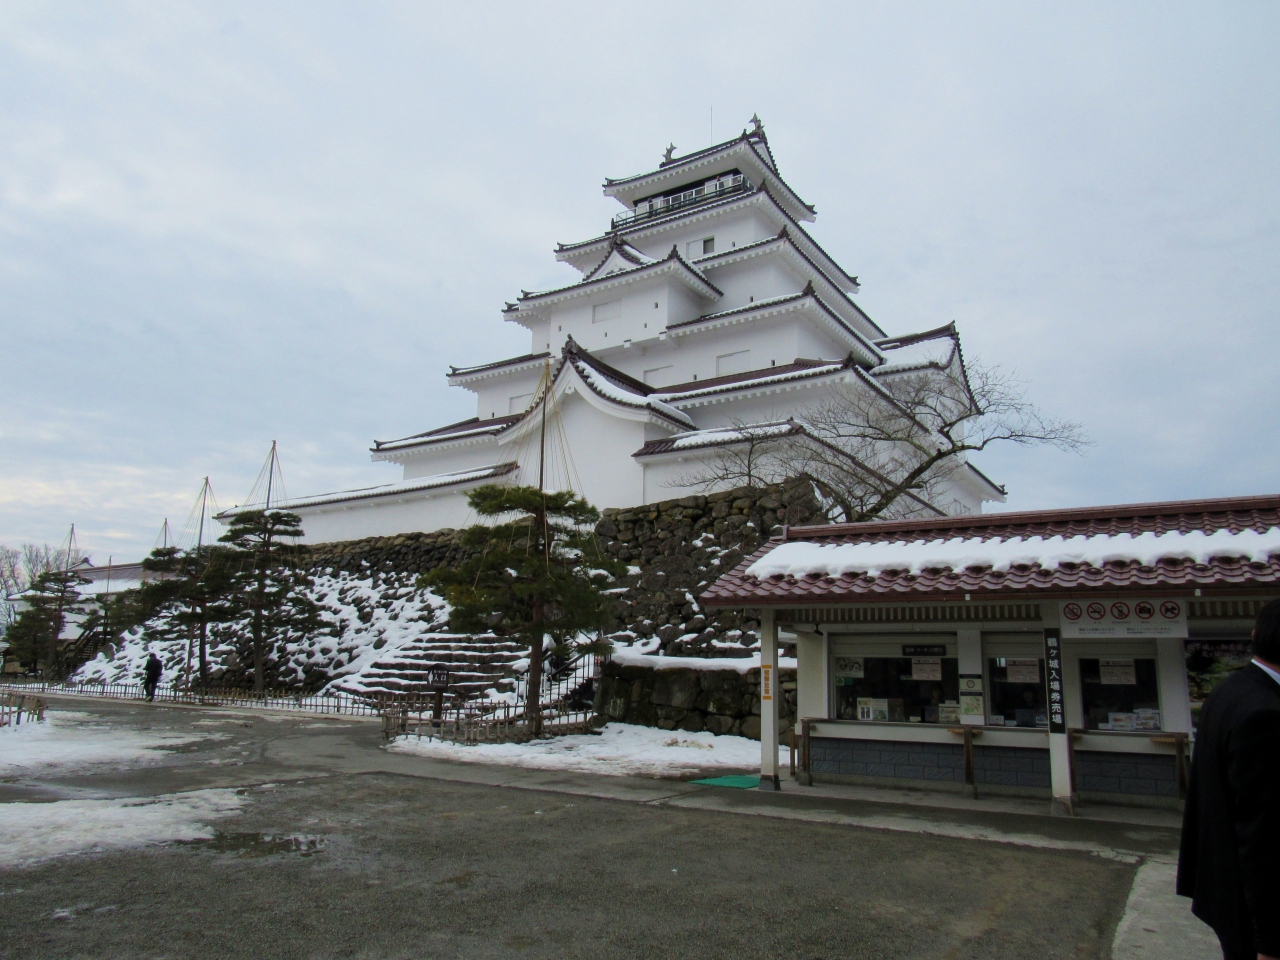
{"type": "Point", "coordinates": [839, 757]}
{"type": "Point", "coordinates": [675, 548]}
{"type": "Point", "coordinates": [1152, 775]}
{"type": "Point", "coordinates": [680, 547]}
{"type": "Point", "coordinates": [403, 553]}
{"type": "Point", "coordinates": [720, 701]}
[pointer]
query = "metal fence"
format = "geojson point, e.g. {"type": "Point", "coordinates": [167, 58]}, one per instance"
{"type": "Point", "coordinates": [328, 703]}
{"type": "Point", "coordinates": [481, 722]}
{"type": "Point", "coordinates": [435, 714]}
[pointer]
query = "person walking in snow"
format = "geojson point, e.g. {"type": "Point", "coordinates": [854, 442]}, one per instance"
{"type": "Point", "coordinates": [154, 669]}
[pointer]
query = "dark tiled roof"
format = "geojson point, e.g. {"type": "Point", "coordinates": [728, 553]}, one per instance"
{"type": "Point", "coordinates": [497, 364]}
{"type": "Point", "coordinates": [793, 224]}
{"type": "Point", "coordinates": [1235, 515]}
{"type": "Point", "coordinates": [715, 438]}
{"type": "Point", "coordinates": [527, 296]}
{"type": "Point", "coordinates": [800, 366]}
{"type": "Point", "coordinates": [444, 433]}
{"type": "Point", "coordinates": [624, 250]}
{"type": "Point", "coordinates": [642, 392]}
{"type": "Point", "coordinates": [663, 219]}
{"type": "Point", "coordinates": [872, 351]}
{"type": "Point", "coordinates": [573, 351]}
{"type": "Point", "coordinates": [784, 236]}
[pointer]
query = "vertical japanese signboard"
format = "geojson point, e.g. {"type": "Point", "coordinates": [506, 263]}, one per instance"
{"type": "Point", "coordinates": [766, 681]}
{"type": "Point", "coordinates": [1053, 680]}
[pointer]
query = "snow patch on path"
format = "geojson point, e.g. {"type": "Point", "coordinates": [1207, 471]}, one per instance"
{"type": "Point", "coordinates": [32, 832]}
{"type": "Point", "coordinates": [70, 740]}
{"type": "Point", "coordinates": [621, 749]}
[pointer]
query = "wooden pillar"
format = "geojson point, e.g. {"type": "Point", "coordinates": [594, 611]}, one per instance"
{"type": "Point", "coordinates": [769, 693]}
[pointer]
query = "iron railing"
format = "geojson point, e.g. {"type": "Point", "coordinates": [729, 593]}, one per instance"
{"type": "Point", "coordinates": [562, 708]}
{"type": "Point", "coordinates": [707, 192]}
{"type": "Point", "coordinates": [327, 703]}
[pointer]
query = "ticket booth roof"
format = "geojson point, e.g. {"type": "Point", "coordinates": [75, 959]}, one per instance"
{"type": "Point", "coordinates": [1222, 546]}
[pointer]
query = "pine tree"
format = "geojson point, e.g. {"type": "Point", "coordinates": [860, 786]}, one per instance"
{"type": "Point", "coordinates": [267, 583]}
{"type": "Point", "coordinates": [52, 597]}
{"type": "Point", "coordinates": [196, 584]}
{"type": "Point", "coordinates": [535, 575]}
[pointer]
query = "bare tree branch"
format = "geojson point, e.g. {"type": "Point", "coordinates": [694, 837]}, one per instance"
{"type": "Point", "coordinates": [890, 445]}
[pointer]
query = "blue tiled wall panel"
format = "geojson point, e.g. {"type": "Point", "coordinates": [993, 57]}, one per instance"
{"type": "Point", "coordinates": [1011, 766]}
{"type": "Point", "coordinates": [1129, 773]}
{"type": "Point", "coordinates": [884, 758]}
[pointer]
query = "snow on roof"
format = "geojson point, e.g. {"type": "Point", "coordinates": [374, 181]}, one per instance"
{"type": "Point", "coordinates": [752, 378]}
{"type": "Point", "coordinates": [497, 364]}
{"type": "Point", "coordinates": [610, 389]}
{"type": "Point", "coordinates": [966, 553]}
{"type": "Point", "coordinates": [915, 351]}
{"type": "Point", "coordinates": [473, 426]}
{"type": "Point", "coordinates": [1230, 543]}
{"type": "Point", "coordinates": [691, 275]}
{"type": "Point", "coordinates": [393, 489]}
{"type": "Point", "coordinates": [718, 437]}
{"type": "Point", "coordinates": [624, 257]}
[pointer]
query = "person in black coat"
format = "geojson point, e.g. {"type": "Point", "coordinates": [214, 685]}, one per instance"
{"type": "Point", "coordinates": [154, 669]}
{"type": "Point", "coordinates": [1229, 864]}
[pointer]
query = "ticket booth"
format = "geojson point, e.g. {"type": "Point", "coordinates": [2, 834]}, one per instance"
{"type": "Point", "coordinates": [1058, 674]}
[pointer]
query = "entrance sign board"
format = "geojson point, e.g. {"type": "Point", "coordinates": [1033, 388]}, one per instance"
{"type": "Point", "coordinates": [1053, 680]}
{"type": "Point", "coordinates": [766, 681]}
{"type": "Point", "coordinates": [926, 668]}
{"type": "Point", "coordinates": [924, 650]}
{"type": "Point", "coordinates": [1117, 673]}
{"type": "Point", "coordinates": [1086, 619]}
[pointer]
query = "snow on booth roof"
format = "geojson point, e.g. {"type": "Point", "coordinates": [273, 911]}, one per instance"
{"type": "Point", "coordinates": [1228, 543]}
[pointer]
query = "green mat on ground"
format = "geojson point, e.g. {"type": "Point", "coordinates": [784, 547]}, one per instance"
{"type": "Point", "coordinates": [742, 783]}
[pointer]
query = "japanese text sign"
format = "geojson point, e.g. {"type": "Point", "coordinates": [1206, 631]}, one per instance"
{"type": "Point", "coordinates": [1053, 681]}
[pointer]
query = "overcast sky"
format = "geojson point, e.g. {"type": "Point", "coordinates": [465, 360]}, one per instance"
{"type": "Point", "coordinates": [223, 224]}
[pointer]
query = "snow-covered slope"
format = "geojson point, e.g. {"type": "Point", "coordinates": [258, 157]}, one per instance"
{"type": "Point", "coordinates": [366, 616]}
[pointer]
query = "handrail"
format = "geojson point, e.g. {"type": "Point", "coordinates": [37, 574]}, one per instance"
{"type": "Point", "coordinates": [661, 206]}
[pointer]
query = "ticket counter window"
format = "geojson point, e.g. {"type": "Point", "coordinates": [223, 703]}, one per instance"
{"type": "Point", "coordinates": [1120, 694]}
{"type": "Point", "coordinates": [898, 689]}
{"type": "Point", "coordinates": [1017, 692]}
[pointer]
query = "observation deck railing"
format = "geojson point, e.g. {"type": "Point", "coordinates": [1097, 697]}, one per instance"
{"type": "Point", "coordinates": [703, 193]}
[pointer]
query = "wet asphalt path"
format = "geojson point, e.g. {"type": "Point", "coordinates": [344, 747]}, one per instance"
{"type": "Point", "coordinates": [343, 850]}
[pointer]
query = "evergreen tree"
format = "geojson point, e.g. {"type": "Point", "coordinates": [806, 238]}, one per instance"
{"type": "Point", "coordinates": [196, 584]}
{"type": "Point", "coordinates": [536, 575]}
{"type": "Point", "coordinates": [37, 634]}
{"type": "Point", "coordinates": [267, 583]}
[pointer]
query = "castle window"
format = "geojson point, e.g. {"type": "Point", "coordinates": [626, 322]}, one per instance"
{"type": "Point", "coordinates": [659, 376]}
{"type": "Point", "coordinates": [700, 248]}
{"type": "Point", "coordinates": [736, 362]}
{"type": "Point", "coordinates": [606, 311]}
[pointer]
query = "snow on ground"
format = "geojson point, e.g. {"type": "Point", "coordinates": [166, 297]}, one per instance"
{"type": "Point", "coordinates": [70, 740]}
{"type": "Point", "coordinates": [621, 749]}
{"type": "Point", "coordinates": [367, 616]}
{"type": "Point", "coordinates": [31, 832]}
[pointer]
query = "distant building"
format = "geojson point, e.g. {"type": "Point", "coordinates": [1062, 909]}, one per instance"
{"type": "Point", "coordinates": [705, 305]}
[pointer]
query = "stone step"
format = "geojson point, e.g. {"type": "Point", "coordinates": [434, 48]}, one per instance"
{"type": "Point", "coordinates": [475, 664]}
{"type": "Point", "coordinates": [467, 650]}
{"type": "Point", "coordinates": [465, 690]}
